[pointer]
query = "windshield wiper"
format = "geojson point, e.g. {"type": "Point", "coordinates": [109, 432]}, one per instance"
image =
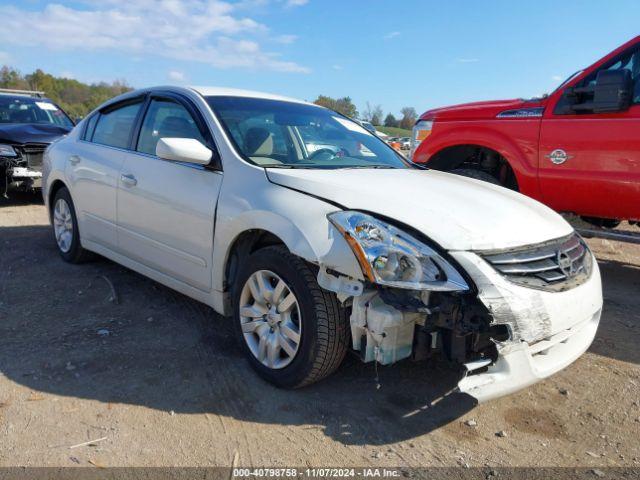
{"type": "Point", "coordinates": [387, 167]}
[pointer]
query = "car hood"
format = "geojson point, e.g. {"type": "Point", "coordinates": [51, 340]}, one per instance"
{"type": "Point", "coordinates": [456, 212]}
{"type": "Point", "coordinates": [20, 133]}
{"type": "Point", "coordinates": [480, 110]}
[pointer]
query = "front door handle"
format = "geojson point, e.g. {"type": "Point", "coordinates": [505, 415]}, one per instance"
{"type": "Point", "coordinates": [128, 179]}
{"type": "Point", "coordinates": [74, 159]}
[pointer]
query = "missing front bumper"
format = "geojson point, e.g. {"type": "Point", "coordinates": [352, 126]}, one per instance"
{"type": "Point", "coordinates": [520, 365]}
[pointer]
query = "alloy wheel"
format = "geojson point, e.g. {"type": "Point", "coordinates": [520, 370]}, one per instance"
{"type": "Point", "coordinates": [63, 225]}
{"type": "Point", "coordinates": [270, 319]}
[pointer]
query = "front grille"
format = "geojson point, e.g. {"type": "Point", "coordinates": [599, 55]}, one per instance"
{"type": "Point", "coordinates": [557, 265]}
{"type": "Point", "coordinates": [33, 154]}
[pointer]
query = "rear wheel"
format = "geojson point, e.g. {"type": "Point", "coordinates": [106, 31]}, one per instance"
{"type": "Point", "coordinates": [65, 228]}
{"type": "Point", "coordinates": [602, 222]}
{"type": "Point", "coordinates": [477, 174]}
{"type": "Point", "coordinates": [292, 332]}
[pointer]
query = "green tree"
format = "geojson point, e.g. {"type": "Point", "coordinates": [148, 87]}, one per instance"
{"type": "Point", "coordinates": [75, 97]}
{"type": "Point", "coordinates": [342, 105]}
{"type": "Point", "coordinates": [390, 120]}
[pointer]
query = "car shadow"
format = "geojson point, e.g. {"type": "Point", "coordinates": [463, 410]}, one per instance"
{"type": "Point", "coordinates": [619, 332]}
{"type": "Point", "coordinates": [65, 333]}
{"type": "Point", "coordinates": [21, 198]}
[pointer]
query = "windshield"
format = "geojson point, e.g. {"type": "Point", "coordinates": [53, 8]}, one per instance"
{"type": "Point", "coordinates": [273, 133]}
{"type": "Point", "coordinates": [32, 110]}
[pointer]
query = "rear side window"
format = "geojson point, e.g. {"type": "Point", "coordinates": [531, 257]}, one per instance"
{"type": "Point", "coordinates": [91, 125]}
{"type": "Point", "coordinates": [166, 119]}
{"type": "Point", "coordinates": [114, 127]}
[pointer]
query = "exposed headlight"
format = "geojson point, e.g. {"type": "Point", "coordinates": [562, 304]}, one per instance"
{"type": "Point", "coordinates": [388, 256]}
{"type": "Point", "coordinates": [421, 131]}
{"type": "Point", "coordinates": [7, 151]}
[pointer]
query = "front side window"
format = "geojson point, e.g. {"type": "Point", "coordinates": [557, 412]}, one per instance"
{"type": "Point", "coordinates": [32, 110]}
{"type": "Point", "coordinates": [114, 127]}
{"type": "Point", "coordinates": [274, 133]}
{"type": "Point", "coordinates": [166, 119]}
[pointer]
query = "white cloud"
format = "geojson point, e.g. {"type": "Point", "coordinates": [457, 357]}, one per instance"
{"type": "Point", "coordinates": [286, 39]}
{"type": "Point", "coordinates": [207, 31]}
{"type": "Point", "coordinates": [67, 74]}
{"type": "Point", "coordinates": [556, 78]}
{"type": "Point", "coordinates": [337, 67]}
{"type": "Point", "coordinates": [296, 3]}
{"type": "Point", "coordinates": [176, 76]}
{"type": "Point", "coordinates": [467, 60]}
{"type": "Point", "coordinates": [391, 35]}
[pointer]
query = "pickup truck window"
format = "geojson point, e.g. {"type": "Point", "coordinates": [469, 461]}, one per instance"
{"type": "Point", "coordinates": [630, 61]}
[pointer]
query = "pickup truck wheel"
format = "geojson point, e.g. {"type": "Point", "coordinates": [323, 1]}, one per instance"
{"type": "Point", "coordinates": [292, 332]}
{"type": "Point", "coordinates": [477, 174]}
{"type": "Point", "coordinates": [65, 228]}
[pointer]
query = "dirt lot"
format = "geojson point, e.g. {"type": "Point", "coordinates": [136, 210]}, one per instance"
{"type": "Point", "coordinates": [160, 376]}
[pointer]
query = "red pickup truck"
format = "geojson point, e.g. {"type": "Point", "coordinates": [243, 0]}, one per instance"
{"type": "Point", "coordinates": [576, 150]}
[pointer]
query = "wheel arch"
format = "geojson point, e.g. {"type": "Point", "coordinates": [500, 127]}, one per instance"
{"type": "Point", "coordinates": [520, 152]}
{"type": "Point", "coordinates": [470, 155]}
{"type": "Point", "coordinates": [55, 187]}
{"type": "Point", "coordinates": [317, 242]}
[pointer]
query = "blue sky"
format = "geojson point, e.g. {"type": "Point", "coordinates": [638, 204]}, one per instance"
{"type": "Point", "coordinates": [393, 53]}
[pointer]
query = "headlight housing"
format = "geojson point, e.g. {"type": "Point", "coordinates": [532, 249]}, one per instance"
{"type": "Point", "coordinates": [388, 256]}
{"type": "Point", "coordinates": [421, 131]}
{"type": "Point", "coordinates": [7, 151]}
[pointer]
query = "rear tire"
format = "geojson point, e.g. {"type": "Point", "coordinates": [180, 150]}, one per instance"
{"type": "Point", "coordinates": [65, 228]}
{"type": "Point", "coordinates": [317, 321]}
{"type": "Point", "coordinates": [477, 174]}
{"type": "Point", "coordinates": [602, 222]}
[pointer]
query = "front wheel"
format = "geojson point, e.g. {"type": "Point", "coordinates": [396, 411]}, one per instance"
{"type": "Point", "coordinates": [477, 174]}
{"type": "Point", "coordinates": [65, 228]}
{"type": "Point", "coordinates": [292, 332]}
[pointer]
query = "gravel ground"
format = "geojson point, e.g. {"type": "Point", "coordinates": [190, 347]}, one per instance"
{"type": "Point", "coordinates": [159, 378]}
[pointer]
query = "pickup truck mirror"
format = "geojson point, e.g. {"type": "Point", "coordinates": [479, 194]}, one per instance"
{"type": "Point", "coordinates": [612, 92]}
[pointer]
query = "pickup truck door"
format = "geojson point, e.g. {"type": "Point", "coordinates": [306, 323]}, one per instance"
{"type": "Point", "coordinates": [166, 210]}
{"type": "Point", "coordinates": [589, 163]}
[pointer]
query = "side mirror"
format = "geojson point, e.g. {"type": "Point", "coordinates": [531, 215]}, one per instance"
{"type": "Point", "coordinates": [187, 150]}
{"type": "Point", "coordinates": [612, 92]}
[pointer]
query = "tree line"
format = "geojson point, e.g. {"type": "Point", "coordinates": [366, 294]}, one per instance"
{"type": "Point", "coordinates": [373, 114]}
{"type": "Point", "coordinates": [78, 98]}
{"type": "Point", "coordinates": [74, 97]}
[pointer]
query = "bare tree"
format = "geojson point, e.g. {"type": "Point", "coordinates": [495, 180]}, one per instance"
{"type": "Point", "coordinates": [409, 117]}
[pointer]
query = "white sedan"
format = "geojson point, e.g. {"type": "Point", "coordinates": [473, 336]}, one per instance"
{"type": "Point", "coordinates": [213, 192]}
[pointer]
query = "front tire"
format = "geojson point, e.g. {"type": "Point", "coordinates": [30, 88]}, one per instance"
{"type": "Point", "coordinates": [292, 332]}
{"type": "Point", "coordinates": [65, 228]}
{"type": "Point", "coordinates": [477, 174]}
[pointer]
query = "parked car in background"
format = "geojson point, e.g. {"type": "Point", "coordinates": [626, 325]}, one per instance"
{"type": "Point", "coordinates": [394, 142]}
{"type": "Point", "coordinates": [405, 143]}
{"type": "Point", "coordinates": [214, 192]}
{"type": "Point", "coordinates": [576, 150]}
{"type": "Point", "coordinates": [29, 123]}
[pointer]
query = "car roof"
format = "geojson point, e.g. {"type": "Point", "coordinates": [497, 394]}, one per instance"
{"type": "Point", "coordinates": [236, 92]}
{"type": "Point", "coordinates": [203, 91]}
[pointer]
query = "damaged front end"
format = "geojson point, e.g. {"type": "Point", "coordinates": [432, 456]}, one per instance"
{"type": "Point", "coordinates": [20, 167]}
{"type": "Point", "coordinates": [509, 318]}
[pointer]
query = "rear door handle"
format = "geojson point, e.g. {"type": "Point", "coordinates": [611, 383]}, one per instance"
{"type": "Point", "coordinates": [128, 179]}
{"type": "Point", "coordinates": [74, 159]}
